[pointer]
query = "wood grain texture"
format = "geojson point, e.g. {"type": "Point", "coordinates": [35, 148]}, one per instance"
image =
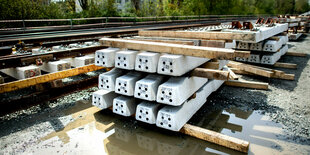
{"type": "Point", "coordinates": [215, 137]}
{"type": "Point", "coordinates": [15, 85]}
{"type": "Point", "coordinates": [188, 50]}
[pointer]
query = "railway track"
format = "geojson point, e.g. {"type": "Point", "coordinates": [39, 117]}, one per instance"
{"type": "Point", "coordinates": [39, 37]}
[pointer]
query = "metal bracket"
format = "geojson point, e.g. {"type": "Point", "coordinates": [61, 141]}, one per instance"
{"type": "Point", "coordinates": [260, 20]}
{"type": "Point", "coordinates": [247, 26]}
{"type": "Point", "coordinates": [236, 25]}
{"type": "Point", "coordinates": [36, 60]}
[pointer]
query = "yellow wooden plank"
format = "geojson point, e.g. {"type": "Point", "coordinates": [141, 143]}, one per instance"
{"type": "Point", "coordinates": [251, 69]}
{"type": "Point", "coordinates": [181, 42]}
{"type": "Point", "coordinates": [297, 54]}
{"type": "Point", "coordinates": [215, 137]}
{"type": "Point", "coordinates": [210, 73]}
{"type": "Point", "coordinates": [247, 84]}
{"type": "Point", "coordinates": [200, 35]}
{"type": "Point", "coordinates": [285, 65]}
{"type": "Point", "coordinates": [197, 51]}
{"type": "Point", "coordinates": [15, 85]}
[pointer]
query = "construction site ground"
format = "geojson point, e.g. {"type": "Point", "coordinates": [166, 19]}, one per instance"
{"type": "Point", "coordinates": [274, 121]}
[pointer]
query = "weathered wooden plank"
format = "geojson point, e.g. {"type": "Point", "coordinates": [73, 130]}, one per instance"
{"type": "Point", "coordinates": [297, 54]}
{"type": "Point", "coordinates": [201, 35]}
{"type": "Point", "coordinates": [276, 75]}
{"type": "Point", "coordinates": [211, 65]}
{"type": "Point", "coordinates": [213, 43]}
{"type": "Point", "coordinates": [251, 69]}
{"type": "Point", "coordinates": [285, 65]}
{"type": "Point", "coordinates": [210, 73]}
{"type": "Point", "coordinates": [11, 86]}
{"type": "Point", "coordinates": [232, 75]}
{"type": "Point", "coordinates": [181, 42]}
{"type": "Point", "coordinates": [215, 137]}
{"type": "Point", "coordinates": [197, 51]}
{"type": "Point", "coordinates": [247, 84]}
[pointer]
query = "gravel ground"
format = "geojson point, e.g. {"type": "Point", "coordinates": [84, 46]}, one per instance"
{"type": "Point", "coordinates": [286, 102]}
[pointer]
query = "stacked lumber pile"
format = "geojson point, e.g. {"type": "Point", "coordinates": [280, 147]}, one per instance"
{"type": "Point", "coordinates": [159, 83]}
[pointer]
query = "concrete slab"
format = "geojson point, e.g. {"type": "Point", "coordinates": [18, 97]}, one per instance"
{"type": "Point", "coordinates": [125, 59]}
{"type": "Point", "coordinates": [263, 32]}
{"type": "Point", "coordinates": [125, 84]}
{"type": "Point", "coordinates": [22, 72]}
{"type": "Point", "coordinates": [81, 61]}
{"type": "Point", "coordinates": [147, 87]}
{"type": "Point", "coordinates": [177, 65]}
{"type": "Point", "coordinates": [294, 37]}
{"type": "Point", "coordinates": [55, 66]}
{"type": "Point", "coordinates": [147, 112]}
{"type": "Point", "coordinates": [257, 46]}
{"type": "Point", "coordinates": [272, 45]}
{"type": "Point", "coordinates": [147, 62]}
{"type": "Point", "coordinates": [125, 106]}
{"type": "Point", "coordinates": [273, 58]}
{"type": "Point", "coordinates": [106, 57]}
{"type": "Point", "coordinates": [254, 58]}
{"type": "Point", "coordinates": [174, 117]}
{"type": "Point", "coordinates": [107, 80]}
{"type": "Point", "coordinates": [178, 89]}
{"type": "Point", "coordinates": [243, 46]}
{"type": "Point", "coordinates": [103, 99]}
{"type": "Point", "coordinates": [283, 39]}
{"type": "Point", "coordinates": [241, 59]}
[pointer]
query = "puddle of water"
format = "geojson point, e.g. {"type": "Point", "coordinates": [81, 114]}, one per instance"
{"type": "Point", "coordinates": [102, 132]}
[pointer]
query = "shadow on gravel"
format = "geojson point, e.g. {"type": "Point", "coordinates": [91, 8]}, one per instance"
{"type": "Point", "coordinates": [286, 84]}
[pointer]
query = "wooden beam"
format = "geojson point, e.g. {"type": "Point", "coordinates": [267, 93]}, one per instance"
{"type": "Point", "coordinates": [232, 75]}
{"type": "Point", "coordinates": [197, 51]}
{"type": "Point", "coordinates": [215, 137]}
{"type": "Point", "coordinates": [181, 42]}
{"type": "Point", "coordinates": [262, 71]}
{"type": "Point", "coordinates": [251, 36]}
{"type": "Point", "coordinates": [210, 73]}
{"type": "Point", "coordinates": [11, 86]}
{"type": "Point", "coordinates": [250, 68]}
{"type": "Point", "coordinates": [277, 74]}
{"type": "Point", "coordinates": [247, 84]}
{"type": "Point", "coordinates": [213, 43]}
{"type": "Point", "coordinates": [211, 65]}
{"type": "Point", "coordinates": [285, 65]}
{"type": "Point", "coordinates": [296, 54]}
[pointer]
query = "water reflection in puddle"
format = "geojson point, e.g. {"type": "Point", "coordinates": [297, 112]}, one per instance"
{"type": "Point", "coordinates": [102, 132]}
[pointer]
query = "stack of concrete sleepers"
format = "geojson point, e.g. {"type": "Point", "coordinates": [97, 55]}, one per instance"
{"type": "Point", "coordinates": [267, 51]}
{"type": "Point", "coordinates": [153, 86]}
{"type": "Point", "coordinates": [295, 25]}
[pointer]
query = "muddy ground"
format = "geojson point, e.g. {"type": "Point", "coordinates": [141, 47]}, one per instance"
{"type": "Point", "coordinates": [276, 121]}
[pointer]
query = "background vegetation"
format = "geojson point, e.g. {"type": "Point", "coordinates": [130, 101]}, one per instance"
{"type": "Point", "coordinates": [44, 9]}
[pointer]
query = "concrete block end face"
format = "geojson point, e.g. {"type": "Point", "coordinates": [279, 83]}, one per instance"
{"type": "Point", "coordinates": [125, 59]}
{"type": "Point", "coordinates": [147, 112]}
{"type": "Point", "coordinates": [124, 106]}
{"type": "Point", "coordinates": [147, 62]}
